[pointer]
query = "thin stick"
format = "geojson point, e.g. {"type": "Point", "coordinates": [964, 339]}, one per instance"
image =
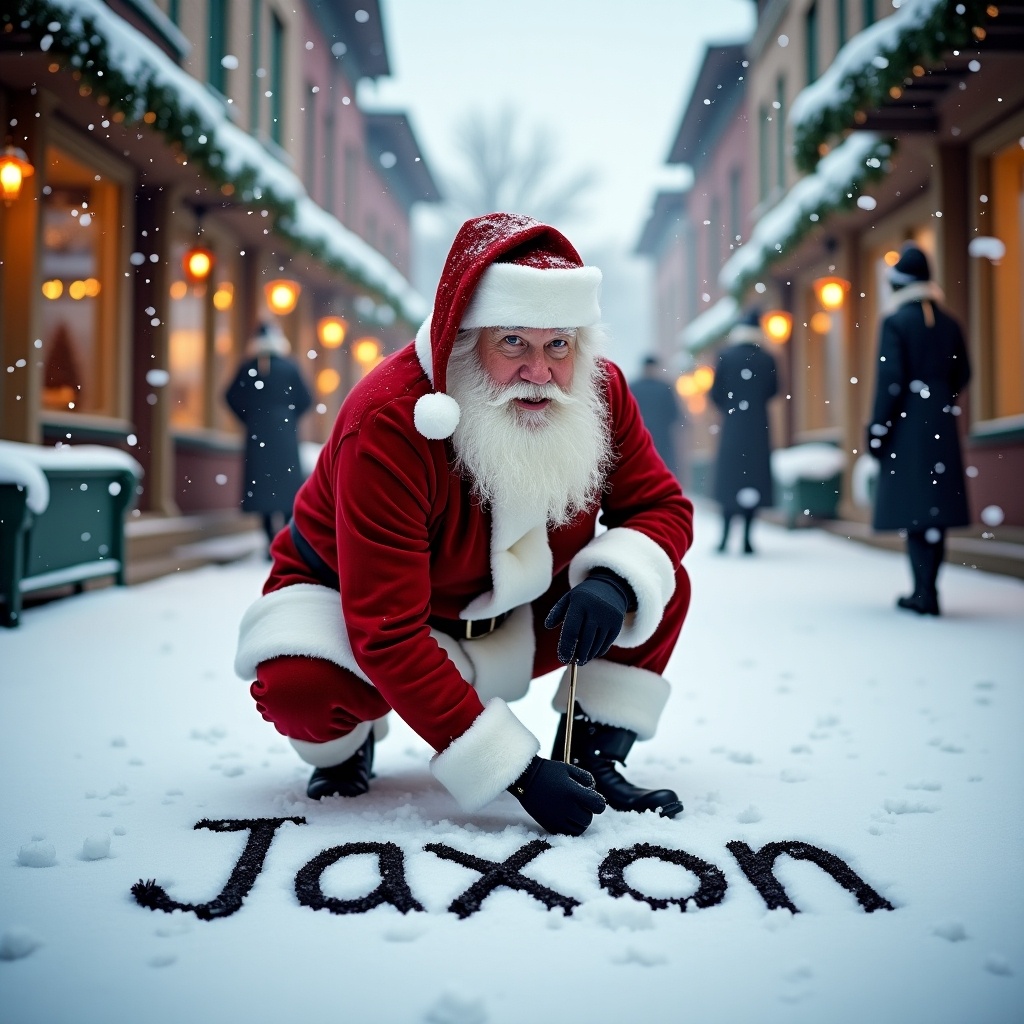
{"type": "Point", "coordinates": [570, 711]}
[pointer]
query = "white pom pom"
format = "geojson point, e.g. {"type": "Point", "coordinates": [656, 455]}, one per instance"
{"type": "Point", "coordinates": [436, 416]}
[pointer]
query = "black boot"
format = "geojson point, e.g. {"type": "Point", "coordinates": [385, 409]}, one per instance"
{"type": "Point", "coordinates": [350, 778]}
{"type": "Point", "coordinates": [923, 604]}
{"type": "Point", "coordinates": [596, 748]}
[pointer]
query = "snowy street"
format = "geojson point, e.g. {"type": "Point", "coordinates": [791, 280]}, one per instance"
{"type": "Point", "coordinates": [805, 709]}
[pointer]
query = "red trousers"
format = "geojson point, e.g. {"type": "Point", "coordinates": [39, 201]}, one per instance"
{"type": "Point", "coordinates": [315, 700]}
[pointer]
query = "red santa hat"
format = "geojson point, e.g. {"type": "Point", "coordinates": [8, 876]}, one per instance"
{"type": "Point", "coordinates": [503, 270]}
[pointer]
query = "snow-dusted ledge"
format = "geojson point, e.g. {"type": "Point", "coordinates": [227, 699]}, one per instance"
{"type": "Point", "coordinates": [865, 50]}
{"type": "Point", "coordinates": [837, 176]}
{"type": "Point", "coordinates": [712, 324]}
{"type": "Point", "coordinates": [238, 153]}
{"type": "Point", "coordinates": [25, 465]}
{"type": "Point", "coordinates": [812, 461]}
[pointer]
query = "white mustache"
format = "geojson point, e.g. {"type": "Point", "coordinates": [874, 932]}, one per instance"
{"type": "Point", "coordinates": [531, 393]}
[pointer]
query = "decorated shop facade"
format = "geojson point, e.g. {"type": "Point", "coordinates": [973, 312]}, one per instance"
{"type": "Point", "coordinates": [175, 174]}
{"type": "Point", "coordinates": [866, 126]}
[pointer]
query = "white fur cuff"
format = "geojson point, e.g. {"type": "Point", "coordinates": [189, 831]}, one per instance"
{"type": "Point", "coordinates": [620, 695]}
{"type": "Point", "coordinates": [303, 619]}
{"type": "Point", "coordinates": [643, 564]}
{"type": "Point", "coordinates": [487, 758]}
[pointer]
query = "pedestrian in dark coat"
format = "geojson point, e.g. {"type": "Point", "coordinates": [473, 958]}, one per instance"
{"type": "Point", "coordinates": [745, 379]}
{"type": "Point", "coordinates": [660, 411]}
{"type": "Point", "coordinates": [922, 367]}
{"type": "Point", "coordinates": [269, 395]}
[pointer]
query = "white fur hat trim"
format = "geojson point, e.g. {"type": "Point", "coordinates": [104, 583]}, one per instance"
{"type": "Point", "coordinates": [513, 295]}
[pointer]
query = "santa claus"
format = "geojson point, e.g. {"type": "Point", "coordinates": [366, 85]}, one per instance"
{"type": "Point", "coordinates": [446, 549]}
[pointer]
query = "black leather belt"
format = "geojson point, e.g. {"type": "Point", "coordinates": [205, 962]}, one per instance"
{"type": "Point", "coordinates": [460, 629]}
{"type": "Point", "coordinates": [467, 629]}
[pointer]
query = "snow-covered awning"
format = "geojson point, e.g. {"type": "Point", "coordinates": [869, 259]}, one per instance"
{"type": "Point", "coordinates": [25, 465]}
{"type": "Point", "coordinates": [714, 323]}
{"type": "Point", "coordinates": [874, 61]}
{"type": "Point", "coordinates": [143, 83]}
{"type": "Point", "coordinates": [833, 185]}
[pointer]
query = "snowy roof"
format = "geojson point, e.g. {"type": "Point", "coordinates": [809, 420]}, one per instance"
{"type": "Point", "coordinates": [834, 183]}
{"type": "Point", "coordinates": [93, 35]}
{"type": "Point", "coordinates": [871, 62]}
{"type": "Point", "coordinates": [25, 465]}
{"type": "Point", "coordinates": [711, 325]}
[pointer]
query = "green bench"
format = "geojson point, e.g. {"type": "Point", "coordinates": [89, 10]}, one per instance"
{"type": "Point", "coordinates": [808, 481]}
{"type": "Point", "coordinates": [62, 514]}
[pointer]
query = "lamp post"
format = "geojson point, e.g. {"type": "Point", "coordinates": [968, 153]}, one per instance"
{"type": "Point", "coordinates": [831, 292]}
{"type": "Point", "coordinates": [282, 295]}
{"type": "Point", "coordinates": [777, 325]}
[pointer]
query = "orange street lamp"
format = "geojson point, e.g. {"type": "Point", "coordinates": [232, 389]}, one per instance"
{"type": "Point", "coordinates": [282, 295]}
{"type": "Point", "coordinates": [14, 168]}
{"type": "Point", "coordinates": [331, 331]}
{"type": "Point", "coordinates": [197, 264]}
{"type": "Point", "coordinates": [831, 292]}
{"type": "Point", "coordinates": [777, 324]}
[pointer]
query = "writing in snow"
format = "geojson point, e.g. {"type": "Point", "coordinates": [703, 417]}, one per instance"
{"type": "Point", "coordinates": [756, 865]}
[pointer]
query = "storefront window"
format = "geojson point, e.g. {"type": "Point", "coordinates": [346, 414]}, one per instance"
{"type": "Point", "coordinates": [226, 347]}
{"type": "Point", "coordinates": [81, 227]}
{"type": "Point", "coordinates": [1006, 344]}
{"type": "Point", "coordinates": [187, 327]}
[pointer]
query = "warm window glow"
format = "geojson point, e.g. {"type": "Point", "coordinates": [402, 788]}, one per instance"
{"type": "Point", "coordinates": [179, 290]}
{"type": "Point", "coordinates": [686, 386]}
{"type": "Point", "coordinates": [282, 296]}
{"type": "Point", "coordinates": [366, 351]}
{"type": "Point", "coordinates": [777, 324]}
{"type": "Point", "coordinates": [331, 330]}
{"type": "Point", "coordinates": [892, 257]}
{"type": "Point", "coordinates": [327, 381]}
{"type": "Point", "coordinates": [77, 290]}
{"type": "Point", "coordinates": [704, 377]}
{"type": "Point", "coordinates": [821, 323]}
{"type": "Point", "coordinates": [223, 296]}
{"type": "Point", "coordinates": [92, 287]}
{"type": "Point", "coordinates": [53, 289]}
{"type": "Point", "coordinates": [831, 292]}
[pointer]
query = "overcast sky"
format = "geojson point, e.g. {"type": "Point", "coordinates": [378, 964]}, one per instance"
{"type": "Point", "coordinates": [609, 78]}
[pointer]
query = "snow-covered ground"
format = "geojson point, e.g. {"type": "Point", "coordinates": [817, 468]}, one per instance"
{"type": "Point", "coordinates": [805, 708]}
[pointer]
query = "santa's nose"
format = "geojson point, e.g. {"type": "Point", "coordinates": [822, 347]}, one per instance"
{"type": "Point", "coordinates": [535, 367]}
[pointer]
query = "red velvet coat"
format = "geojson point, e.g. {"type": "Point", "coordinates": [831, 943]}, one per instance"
{"type": "Point", "coordinates": [385, 510]}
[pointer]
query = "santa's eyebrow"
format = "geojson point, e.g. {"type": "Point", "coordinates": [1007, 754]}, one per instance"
{"type": "Point", "coordinates": [568, 331]}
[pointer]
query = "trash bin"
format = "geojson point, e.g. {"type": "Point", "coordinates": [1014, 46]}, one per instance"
{"type": "Point", "coordinates": [808, 480]}
{"type": "Point", "coordinates": [62, 515]}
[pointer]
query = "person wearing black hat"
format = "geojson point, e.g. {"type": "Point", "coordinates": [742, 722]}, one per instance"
{"type": "Point", "coordinates": [922, 367]}
{"type": "Point", "coordinates": [745, 380]}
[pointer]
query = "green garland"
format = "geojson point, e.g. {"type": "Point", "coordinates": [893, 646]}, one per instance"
{"type": "Point", "coordinates": [78, 43]}
{"type": "Point", "coordinates": [877, 165]}
{"type": "Point", "coordinates": [868, 87]}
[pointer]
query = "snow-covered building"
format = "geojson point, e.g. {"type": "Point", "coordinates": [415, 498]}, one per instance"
{"type": "Point", "coordinates": [152, 131]}
{"type": "Point", "coordinates": [872, 124]}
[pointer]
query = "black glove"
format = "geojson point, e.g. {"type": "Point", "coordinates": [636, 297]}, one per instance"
{"type": "Point", "coordinates": [593, 611]}
{"type": "Point", "coordinates": [560, 797]}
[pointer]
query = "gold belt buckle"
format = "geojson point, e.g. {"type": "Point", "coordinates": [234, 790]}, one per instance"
{"type": "Point", "coordinates": [469, 629]}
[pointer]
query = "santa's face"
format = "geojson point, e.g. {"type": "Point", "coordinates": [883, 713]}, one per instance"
{"type": "Point", "coordinates": [531, 356]}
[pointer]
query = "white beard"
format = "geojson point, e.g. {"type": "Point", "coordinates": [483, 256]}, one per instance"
{"type": "Point", "coordinates": [553, 460]}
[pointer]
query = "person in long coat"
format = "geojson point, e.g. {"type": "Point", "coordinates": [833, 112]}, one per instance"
{"type": "Point", "coordinates": [745, 380]}
{"type": "Point", "coordinates": [661, 412]}
{"type": "Point", "coordinates": [922, 367]}
{"type": "Point", "coordinates": [268, 395]}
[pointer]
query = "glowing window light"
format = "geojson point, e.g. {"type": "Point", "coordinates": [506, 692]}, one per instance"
{"type": "Point", "coordinates": [77, 290]}
{"type": "Point", "coordinates": [224, 296]}
{"type": "Point", "coordinates": [197, 264]}
{"type": "Point", "coordinates": [821, 323]}
{"type": "Point", "coordinates": [704, 377]}
{"type": "Point", "coordinates": [282, 296]}
{"type": "Point", "coordinates": [831, 292]}
{"type": "Point", "coordinates": [179, 290]}
{"type": "Point", "coordinates": [366, 351]}
{"type": "Point", "coordinates": [328, 380]}
{"type": "Point", "coordinates": [53, 289]}
{"type": "Point", "coordinates": [331, 330]}
{"type": "Point", "coordinates": [777, 324]}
